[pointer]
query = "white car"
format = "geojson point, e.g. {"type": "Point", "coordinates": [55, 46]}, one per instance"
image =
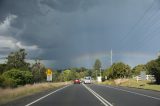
{"type": "Point", "coordinates": [87, 80]}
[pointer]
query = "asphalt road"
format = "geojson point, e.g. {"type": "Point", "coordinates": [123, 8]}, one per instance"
{"type": "Point", "coordinates": [93, 95]}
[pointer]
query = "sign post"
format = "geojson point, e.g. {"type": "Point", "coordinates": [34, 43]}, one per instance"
{"type": "Point", "coordinates": [49, 74]}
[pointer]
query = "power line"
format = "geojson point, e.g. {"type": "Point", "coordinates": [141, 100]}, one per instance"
{"type": "Point", "coordinates": [135, 25]}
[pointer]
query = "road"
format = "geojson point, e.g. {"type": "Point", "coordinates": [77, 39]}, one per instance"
{"type": "Point", "coordinates": [93, 95]}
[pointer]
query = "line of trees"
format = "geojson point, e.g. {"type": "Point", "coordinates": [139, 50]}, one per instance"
{"type": "Point", "coordinates": [16, 71]}
{"type": "Point", "coordinates": [121, 70]}
{"type": "Point", "coordinates": [117, 70]}
{"type": "Point", "coordinates": [71, 74]}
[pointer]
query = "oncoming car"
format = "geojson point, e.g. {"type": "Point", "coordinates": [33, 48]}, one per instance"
{"type": "Point", "coordinates": [87, 80]}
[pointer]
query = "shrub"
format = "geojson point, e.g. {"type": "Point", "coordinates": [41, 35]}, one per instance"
{"type": "Point", "coordinates": [118, 70]}
{"type": "Point", "coordinates": [15, 77]}
{"type": "Point", "coordinates": [154, 69]}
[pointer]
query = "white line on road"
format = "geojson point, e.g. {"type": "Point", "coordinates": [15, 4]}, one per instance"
{"type": "Point", "coordinates": [133, 92]}
{"type": "Point", "coordinates": [100, 98]}
{"type": "Point", "coordinates": [46, 96]}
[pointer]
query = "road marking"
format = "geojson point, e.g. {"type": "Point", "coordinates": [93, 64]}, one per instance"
{"type": "Point", "coordinates": [133, 92]}
{"type": "Point", "coordinates": [100, 98]}
{"type": "Point", "coordinates": [46, 96]}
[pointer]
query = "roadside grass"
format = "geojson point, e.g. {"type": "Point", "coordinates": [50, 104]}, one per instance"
{"type": "Point", "coordinates": [133, 83]}
{"type": "Point", "coordinates": [7, 95]}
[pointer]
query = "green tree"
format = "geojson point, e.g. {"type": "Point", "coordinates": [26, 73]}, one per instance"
{"type": "Point", "coordinates": [154, 69]}
{"type": "Point", "coordinates": [15, 77]}
{"type": "Point", "coordinates": [38, 72]}
{"type": "Point", "coordinates": [97, 64]}
{"type": "Point", "coordinates": [118, 70]}
{"type": "Point", "coordinates": [17, 60]}
{"type": "Point", "coordinates": [137, 69]}
{"type": "Point", "coordinates": [109, 73]}
{"type": "Point", "coordinates": [56, 75]}
{"type": "Point", "coordinates": [96, 67]}
{"type": "Point", "coordinates": [2, 68]}
{"type": "Point", "coordinates": [66, 75]}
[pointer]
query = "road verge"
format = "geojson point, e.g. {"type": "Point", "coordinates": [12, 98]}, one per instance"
{"type": "Point", "coordinates": [133, 84]}
{"type": "Point", "coordinates": [8, 95]}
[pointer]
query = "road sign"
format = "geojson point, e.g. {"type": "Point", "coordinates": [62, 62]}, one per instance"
{"type": "Point", "coordinates": [49, 77]}
{"type": "Point", "coordinates": [49, 74]}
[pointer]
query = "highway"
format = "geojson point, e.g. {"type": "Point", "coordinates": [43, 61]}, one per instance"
{"type": "Point", "coordinates": [92, 95]}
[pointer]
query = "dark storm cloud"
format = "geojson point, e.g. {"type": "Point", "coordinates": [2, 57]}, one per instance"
{"type": "Point", "coordinates": [70, 5]}
{"type": "Point", "coordinates": [22, 8]}
{"type": "Point", "coordinates": [65, 30]}
{"type": "Point", "coordinates": [45, 27]}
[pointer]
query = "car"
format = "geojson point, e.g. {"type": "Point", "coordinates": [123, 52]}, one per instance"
{"type": "Point", "coordinates": [87, 80]}
{"type": "Point", "coordinates": [77, 81]}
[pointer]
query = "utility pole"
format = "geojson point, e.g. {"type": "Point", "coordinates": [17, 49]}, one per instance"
{"type": "Point", "coordinates": [96, 74]}
{"type": "Point", "coordinates": [111, 58]}
{"type": "Point", "coordinates": [100, 72]}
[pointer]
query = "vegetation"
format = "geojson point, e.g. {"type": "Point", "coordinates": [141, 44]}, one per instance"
{"type": "Point", "coordinates": [17, 72]}
{"type": "Point", "coordinates": [121, 70]}
{"type": "Point", "coordinates": [15, 77]}
{"type": "Point", "coordinates": [137, 69]}
{"type": "Point", "coordinates": [118, 70]}
{"type": "Point", "coordinates": [154, 69]}
{"type": "Point", "coordinates": [96, 68]}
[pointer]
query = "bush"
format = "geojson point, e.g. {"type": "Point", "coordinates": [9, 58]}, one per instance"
{"type": "Point", "coordinates": [15, 77]}
{"type": "Point", "coordinates": [1, 80]}
{"type": "Point", "coordinates": [118, 70]}
{"type": "Point", "coordinates": [154, 69]}
{"type": "Point", "coordinates": [9, 82]}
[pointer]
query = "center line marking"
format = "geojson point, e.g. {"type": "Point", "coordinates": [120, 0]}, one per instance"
{"type": "Point", "coordinates": [100, 98]}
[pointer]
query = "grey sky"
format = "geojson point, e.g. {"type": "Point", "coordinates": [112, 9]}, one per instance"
{"type": "Point", "coordinates": [69, 33]}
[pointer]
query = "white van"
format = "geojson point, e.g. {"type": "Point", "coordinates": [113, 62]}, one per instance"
{"type": "Point", "coordinates": [87, 80]}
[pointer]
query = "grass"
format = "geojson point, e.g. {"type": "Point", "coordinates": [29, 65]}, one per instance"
{"type": "Point", "coordinates": [133, 83]}
{"type": "Point", "coordinates": [9, 94]}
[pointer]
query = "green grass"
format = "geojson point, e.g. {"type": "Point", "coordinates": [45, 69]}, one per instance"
{"type": "Point", "coordinates": [7, 95]}
{"type": "Point", "coordinates": [133, 83]}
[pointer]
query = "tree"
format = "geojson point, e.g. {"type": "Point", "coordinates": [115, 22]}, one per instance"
{"type": "Point", "coordinates": [118, 70]}
{"type": "Point", "coordinates": [96, 67]}
{"type": "Point", "coordinates": [55, 76]}
{"type": "Point", "coordinates": [109, 73]}
{"type": "Point", "coordinates": [15, 77]}
{"type": "Point", "coordinates": [97, 64]}
{"type": "Point", "coordinates": [137, 69]}
{"type": "Point", "coordinates": [38, 72]}
{"type": "Point", "coordinates": [2, 68]}
{"type": "Point", "coordinates": [66, 75]}
{"type": "Point", "coordinates": [154, 69]}
{"type": "Point", "coordinates": [17, 60]}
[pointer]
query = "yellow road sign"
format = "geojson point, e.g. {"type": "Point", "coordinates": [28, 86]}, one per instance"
{"type": "Point", "coordinates": [49, 72]}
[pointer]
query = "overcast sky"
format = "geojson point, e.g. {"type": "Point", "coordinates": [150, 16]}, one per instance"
{"type": "Point", "coordinates": [73, 33]}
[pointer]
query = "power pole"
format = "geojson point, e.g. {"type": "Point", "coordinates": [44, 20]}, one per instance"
{"type": "Point", "coordinates": [100, 72]}
{"type": "Point", "coordinates": [96, 74]}
{"type": "Point", "coordinates": [111, 58]}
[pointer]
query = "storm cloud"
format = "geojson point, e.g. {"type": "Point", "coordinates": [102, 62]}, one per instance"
{"type": "Point", "coordinates": [70, 33]}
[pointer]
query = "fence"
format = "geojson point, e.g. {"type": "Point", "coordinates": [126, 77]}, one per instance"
{"type": "Point", "coordinates": [148, 78]}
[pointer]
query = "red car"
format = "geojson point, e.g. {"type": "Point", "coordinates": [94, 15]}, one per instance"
{"type": "Point", "coordinates": [77, 81]}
